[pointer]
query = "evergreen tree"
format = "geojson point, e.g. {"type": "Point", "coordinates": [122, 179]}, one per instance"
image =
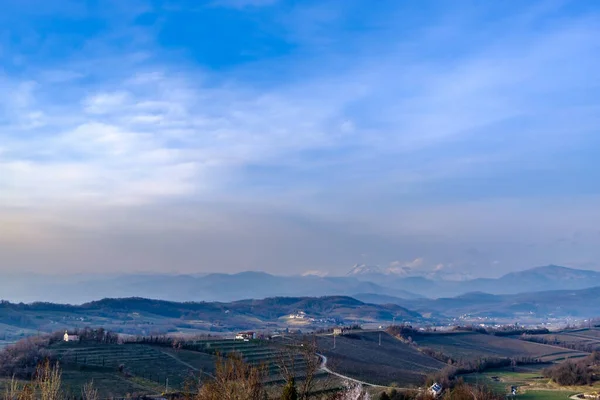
{"type": "Point", "coordinates": [289, 391]}
{"type": "Point", "coordinates": [384, 396]}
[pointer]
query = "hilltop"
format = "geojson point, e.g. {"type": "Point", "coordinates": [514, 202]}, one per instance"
{"type": "Point", "coordinates": [148, 316]}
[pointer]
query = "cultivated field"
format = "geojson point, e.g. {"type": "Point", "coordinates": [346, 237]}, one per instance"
{"type": "Point", "coordinates": [255, 352]}
{"type": "Point", "coordinates": [359, 356]}
{"type": "Point", "coordinates": [152, 364]}
{"type": "Point", "coordinates": [471, 345]}
{"type": "Point", "coordinates": [109, 384]}
{"type": "Point", "coordinates": [584, 339]}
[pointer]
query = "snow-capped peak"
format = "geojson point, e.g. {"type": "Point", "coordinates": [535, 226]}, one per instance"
{"type": "Point", "coordinates": [314, 272]}
{"type": "Point", "coordinates": [363, 269]}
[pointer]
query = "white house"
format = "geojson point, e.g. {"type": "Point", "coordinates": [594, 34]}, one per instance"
{"type": "Point", "coordinates": [70, 338]}
{"type": "Point", "coordinates": [245, 335]}
{"type": "Point", "coordinates": [435, 390]}
{"type": "Point", "coordinates": [339, 331]}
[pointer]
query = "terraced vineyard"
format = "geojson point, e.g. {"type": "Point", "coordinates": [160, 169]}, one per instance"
{"type": "Point", "coordinates": [143, 361]}
{"type": "Point", "coordinates": [255, 352]}
{"type": "Point", "coordinates": [359, 356]}
{"type": "Point", "coordinates": [471, 345]}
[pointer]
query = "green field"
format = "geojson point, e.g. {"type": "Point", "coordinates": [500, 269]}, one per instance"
{"type": "Point", "coordinates": [532, 385]}
{"type": "Point", "coordinates": [545, 395]}
{"type": "Point", "coordinates": [471, 345]}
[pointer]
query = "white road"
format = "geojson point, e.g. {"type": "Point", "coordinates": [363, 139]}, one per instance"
{"type": "Point", "coordinates": [324, 368]}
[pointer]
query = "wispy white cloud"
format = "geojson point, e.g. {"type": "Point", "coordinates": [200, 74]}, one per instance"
{"type": "Point", "coordinates": [365, 138]}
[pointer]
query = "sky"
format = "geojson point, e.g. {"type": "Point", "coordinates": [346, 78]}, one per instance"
{"type": "Point", "coordinates": [456, 138]}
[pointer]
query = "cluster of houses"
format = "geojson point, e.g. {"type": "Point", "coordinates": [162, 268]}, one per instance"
{"type": "Point", "coordinates": [298, 315]}
{"type": "Point", "coordinates": [245, 336]}
{"type": "Point", "coordinates": [301, 315]}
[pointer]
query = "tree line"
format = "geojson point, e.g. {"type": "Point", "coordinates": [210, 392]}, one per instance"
{"type": "Point", "coordinates": [584, 371]}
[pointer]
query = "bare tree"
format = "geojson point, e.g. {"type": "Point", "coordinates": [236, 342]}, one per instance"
{"type": "Point", "coordinates": [13, 391]}
{"type": "Point", "coordinates": [89, 392]}
{"type": "Point", "coordinates": [312, 365]}
{"type": "Point", "coordinates": [48, 381]}
{"type": "Point", "coordinates": [300, 363]}
{"type": "Point", "coordinates": [234, 380]}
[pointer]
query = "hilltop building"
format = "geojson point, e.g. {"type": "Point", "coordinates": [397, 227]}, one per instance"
{"type": "Point", "coordinates": [298, 315]}
{"type": "Point", "coordinates": [70, 338]}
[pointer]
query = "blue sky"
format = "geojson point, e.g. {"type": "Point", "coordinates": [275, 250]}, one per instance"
{"type": "Point", "coordinates": [460, 138]}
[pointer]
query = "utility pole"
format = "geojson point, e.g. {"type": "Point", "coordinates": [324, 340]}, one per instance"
{"type": "Point", "coordinates": [380, 338]}
{"type": "Point", "coordinates": [334, 335]}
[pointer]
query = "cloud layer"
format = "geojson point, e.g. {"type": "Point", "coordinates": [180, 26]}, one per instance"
{"type": "Point", "coordinates": [298, 137]}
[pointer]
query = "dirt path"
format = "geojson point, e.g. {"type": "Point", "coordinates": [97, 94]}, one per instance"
{"type": "Point", "coordinates": [324, 368]}
{"type": "Point", "coordinates": [190, 366]}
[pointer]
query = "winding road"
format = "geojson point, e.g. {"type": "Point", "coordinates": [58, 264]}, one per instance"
{"type": "Point", "coordinates": [324, 368]}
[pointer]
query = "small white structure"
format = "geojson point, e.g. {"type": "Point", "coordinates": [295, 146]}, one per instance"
{"type": "Point", "coordinates": [70, 338]}
{"type": "Point", "coordinates": [245, 336]}
{"type": "Point", "coordinates": [435, 390]}
{"type": "Point", "coordinates": [298, 315]}
{"type": "Point", "coordinates": [339, 331]}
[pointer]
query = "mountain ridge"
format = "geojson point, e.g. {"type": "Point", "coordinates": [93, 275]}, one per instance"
{"type": "Point", "coordinates": [255, 284]}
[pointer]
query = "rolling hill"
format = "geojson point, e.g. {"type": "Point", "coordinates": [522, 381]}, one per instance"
{"type": "Point", "coordinates": [146, 316]}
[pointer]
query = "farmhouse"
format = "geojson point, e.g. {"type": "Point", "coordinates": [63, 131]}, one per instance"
{"type": "Point", "coordinates": [435, 390]}
{"type": "Point", "coordinates": [245, 335]}
{"type": "Point", "coordinates": [70, 338]}
{"type": "Point", "coordinates": [339, 331]}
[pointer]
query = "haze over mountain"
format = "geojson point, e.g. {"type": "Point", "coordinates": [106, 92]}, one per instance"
{"type": "Point", "coordinates": [544, 305]}
{"type": "Point", "coordinates": [210, 287]}
{"type": "Point", "coordinates": [550, 277]}
{"type": "Point", "coordinates": [258, 285]}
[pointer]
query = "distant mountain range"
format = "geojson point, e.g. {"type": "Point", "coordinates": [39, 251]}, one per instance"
{"type": "Point", "coordinates": [537, 279]}
{"type": "Point", "coordinates": [583, 303]}
{"type": "Point", "coordinates": [362, 280]}
{"type": "Point", "coordinates": [211, 287]}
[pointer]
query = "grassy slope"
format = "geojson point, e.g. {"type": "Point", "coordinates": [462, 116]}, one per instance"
{"type": "Point", "coordinates": [360, 356]}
